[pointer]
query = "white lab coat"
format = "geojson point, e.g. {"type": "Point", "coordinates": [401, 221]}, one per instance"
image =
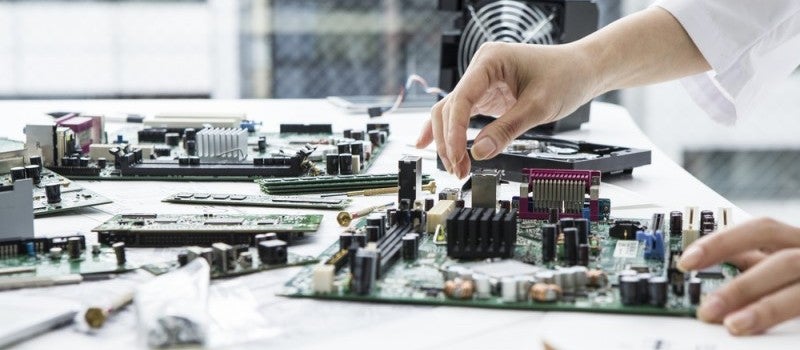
{"type": "Point", "coordinates": [749, 44]}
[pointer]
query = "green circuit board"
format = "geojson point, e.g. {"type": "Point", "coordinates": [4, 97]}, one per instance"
{"type": "Point", "coordinates": [421, 281]}
{"type": "Point", "coordinates": [73, 196]}
{"type": "Point", "coordinates": [258, 200]}
{"type": "Point", "coordinates": [326, 184]}
{"type": "Point", "coordinates": [40, 262]}
{"type": "Point", "coordinates": [239, 268]}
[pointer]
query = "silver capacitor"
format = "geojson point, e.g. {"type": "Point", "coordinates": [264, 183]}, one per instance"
{"type": "Point", "coordinates": [74, 248]}
{"type": "Point", "coordinates": [483, 288]}
{"type": "Point", "coordinates": [508, 289]}
{"type": "Point", "coordinates": [545, 276]}
{"type": "Point", "coordinates": [581, 279]}
{"type": "Point", "coordinates": [55, 253]}
{"type": "Point", "coordinates": [95, 248]}
{"type": "Point", "coordinates": [119, 252]}
{"type": "Point", "coordinates": [245, 260]}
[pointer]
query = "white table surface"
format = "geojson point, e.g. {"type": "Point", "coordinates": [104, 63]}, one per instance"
{"type": "Point", "coordinates": [247, 313]}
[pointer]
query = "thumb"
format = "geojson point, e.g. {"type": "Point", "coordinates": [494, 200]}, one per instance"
{"type": "Point", "coordinates": [496, 136]}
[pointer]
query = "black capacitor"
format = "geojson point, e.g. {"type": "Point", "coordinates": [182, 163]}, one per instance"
{"type": "Point", "coordinates": [345, 163]}
{"type": "Point", "coordinates": [332, 164]}
{"type": "Point", "coordinates": [365, 271]}
{"type": "Point", "coordinates": [343, 147]}
{"type": "Point", "coordinates": [383, 137]}
{"type": "Point", "coordinates": [35, 160]}
{"type": "Point", "coordinates": [695, 289]}
{"type": "Point", "coordinates": [191, 147]}
{"type": "Point", "coordinates": [658, 291]}
{"type": "Point", "coordinates": [261, 237]}
{"type": "Point", "coordinates": [183, 160]}
{"type": "Point", "coordinates": [676, 281]}
{"type": "Point", "coordinates": [262, 144]}
{"type": "Point", "coordinates": [505, 204]}
{"type": "Point", "coordinates": [172, 138]}
{"type": "Point", "coordinates": [183, 258]}
{"type": "Point", "coordinates": [194, 160]}
{"type": "Point", "coordinates": [675, 223]}
{"type": "Point", "coordinates": [373, 233]}
{"type": "Point", "coordinates": [272, 252]}
{"type": "Point", "coordinates": [190, 134]}
{"type": "Point", "coordinates": [553, 217]}
{"type": "Point", "coordinates": [34, 172]}
{"type": "Point", "coordinates": [583, 230]}
{"type": "Point", "coordinates": [583, 254]}
{"type": "Point", "coordinates": [258, 161]}
{"type": "Point", "coordinates": [357, 135]}
{"type": "Point", "coordinates": [53, 192]}
{"type": "Point", "coordinates": [570, 245]}
{"type": "Point", "coordinates": [74, 161]}
{"type": "Point", "coordinates": [460, 203]}
{"type": "Point", "coordinates": [74, 248]}
{"type": "Point", "coordinates": [643, 288]}
{"type": "Point", "coordinates": [628, 288]}
{"type": "Point", "coordinates": [102, 162]}
{"type": "Point", "coordinates": [566, 223]}
{"type": "Point", "coordinates": [706, 228]}
{"type": "Point", "coordinates": [391, 215]}
{"type": "Point", "coordinates": [269, 161]}
{"type": "Point", "coordinates": [65, 161]}
{"type": "Point", "coordinates": [347, 133]}
{"type": "Point", "coordinates": [137, 155]}
{"type": "Point", "coordinates": [119, 252]}
{"type": "Point", "coordinates": [17, 173]}
{"type": "Point", "coordinates": [84, 162]}
{"type": "Point", "coordinates": [549, 239]}
{"type": "Point", "coordinates": [375, 137]}
{"type": "Point", "coordinates": [357, 148]}
{"type": "Point", "coordinates": [360, 239]}
{"type": "Point", "coordinates": [378, 221]}
{"type": "Point", "coordinates": [270, 236]}
{"type": "Point", "coordinates": [706, 213]}
{"type": "Point", "coordinates": [410, 248]}
{"type": "Point", "coordinates": [345, 240]}
{"type": "Point", "coordinates": [428, 204]}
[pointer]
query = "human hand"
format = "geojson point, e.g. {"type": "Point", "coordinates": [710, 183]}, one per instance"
{"type": "Point", "coordinates": [525, 85]}
{"type": "Point", "coordinates": [767, 292]}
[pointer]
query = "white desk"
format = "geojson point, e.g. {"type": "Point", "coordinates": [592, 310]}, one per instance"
{"type": "Point", "coordinates": [302, 323]}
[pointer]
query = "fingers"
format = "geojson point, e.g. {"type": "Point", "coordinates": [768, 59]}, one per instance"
{"type": "Point", "coordinates": [499, 133]}
{"type": "Point", "coordinates": [762, 233]}
{"type": "Point", "coordinates": [775, 272]}
{"type": "Point", "coordinates": [436, 129]}
{"type": "Point", "coordinates": [765, 313]}
{"type": "Point", "coordinates": [426, 136]}
{"type": "Point", "coordinates": [747, 260]}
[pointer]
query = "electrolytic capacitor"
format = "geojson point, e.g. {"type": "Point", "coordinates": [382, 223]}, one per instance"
{"type": "Point", "coordinates": [119, 252]}
{"type": "Point", "coordinates": [345, 163]}
{"type": "Point", "coordinates": [658, 291]}
{"type": "Point", "coordinates": [35, 160]}
{"type": "Point", "coordinates": [190, 134]}
{"type": "Point", "coordinates": [675, 223]}
{"type": "Point", "coordinates": [552, 218]}
{"type": "Point", "coordinates": [74, 248]}
{"type": "Point", "coordinates": [365, 271]}
{"type": "Point", "coordinates": [377, 221]}
{"type": "Point", "coordinates": [628, 288]}
{"type": "Point", "coordinates": [583, 230]}
{"type": "Point", "coordinates": [583, 254]}
{"type": "Point", "coordinates": [102, 162]}
{"type": "Point", "coordinates": [183, 258]}
{"type": "Point", "coordinates": [695, 289]}
{"type": "Point", "coordinates": [83, 162]}
{"type": "Point", "coordinates": [391, 216]}
{"type": "Point", "coordinates": [347, 133]}
{"type": "Point", "coordinates": [373, 233]}
{"type": "Point", "coordinates": [74, 161]}
{"type": "Point", "coordinates": [194, 160]}
{"type": "Point", "coordinates": [17, 173]}
{"type": "Point", "coordinates": [332, 164]}
{"type": "Point", "coordinates": [34, 172]}
{"type": "Point", "coordinates": [361, 239]}
{"type": "Point", "coordinates": [53, 192]}
{"type": "Point", "coordinates": [172, 138]}
{"type": "Point", "coordinates": [55, 253]}
{"type": "Point", "coordinates": [343, 148]}
{"type": "Point", "coordinates": [183, 160]}
{"type": "Point", "coordinates": [566, 223]}
{"type": "Point", "coordinates": [483, 288]}
{"type": "Point", "coordinates": [357, 135]}
{"type": "Point", "coordinates": [508, 289]}
{"type": "Point", "coordinates": [643, 288]}
{"type": "Point", "coordinates": [355, 164]}
{"type": "Point", "coordinates": [262, 144]}
{"type": "Point", "coordinates": [191, 147]}
{"type": "Point", "coordinates": [460, 203]}
{"type": "Point", "coordinates": [549, 237]}
{"type": "Point", "coordinates": [345, 240]}
{"type": "Point", "coordinates": [375, 137]}
{"type": "Point", "coordinates": [357, 149]}
{"type": "Point", "coordinates": [410, 248]}
{"type": "Point", "coordinates": [570, 245]}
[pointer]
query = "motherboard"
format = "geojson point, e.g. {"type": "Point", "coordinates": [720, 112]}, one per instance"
{"type": "Point", "coordinates": [63, 255]}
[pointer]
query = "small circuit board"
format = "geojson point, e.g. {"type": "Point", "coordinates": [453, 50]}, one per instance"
{"type": "Point", "coordinates": [53, 193]}
{"type": "Point", "coordinates": [170, 230]}
{"type": "Point", "coordinates": [226, 153]}
{"type": "Point", "coordinates": [56, 256]}
{"type": "Point", "coordinates": [258, 200]}
{"type": "Point", "coordinates": [326, 184]}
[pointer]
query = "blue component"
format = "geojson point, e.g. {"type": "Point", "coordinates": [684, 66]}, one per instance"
{"type": "Point", "coordinates": [249, 125]}
{"type": "Point", "coordinates": [587, 213]}
{"type": "Point", "coordinates": [653, 244]}
{"type": "Point", "coordinates": [30, 249]}
{"type": "Point", "coordinates": [120, 140]}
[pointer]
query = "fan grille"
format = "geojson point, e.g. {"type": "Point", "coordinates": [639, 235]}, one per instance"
{"type": "Point", "coordinates": [504, 21]}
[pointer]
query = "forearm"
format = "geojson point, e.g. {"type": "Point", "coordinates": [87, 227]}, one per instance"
{"type": "Point", "coordinates": [647, 47]}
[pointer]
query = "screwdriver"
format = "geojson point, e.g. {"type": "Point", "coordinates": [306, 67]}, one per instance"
{"type": "Point", "coordinates": [430, 187]}
{"type": "Point", "coordinates": [345, 217]}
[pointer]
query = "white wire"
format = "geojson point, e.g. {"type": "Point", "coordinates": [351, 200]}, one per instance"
{"type": "Point", "coordinates": [412, 79]}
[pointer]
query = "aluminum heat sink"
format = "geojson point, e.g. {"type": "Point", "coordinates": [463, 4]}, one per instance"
{"type": "Point", "coordinates": [228, 143]}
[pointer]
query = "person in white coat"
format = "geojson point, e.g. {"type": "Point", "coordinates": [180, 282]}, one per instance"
{"type": "Point", "coordinates": [726, 51]}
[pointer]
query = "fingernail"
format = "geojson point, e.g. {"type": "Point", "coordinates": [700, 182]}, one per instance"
{"type": "Point", "coordinates": [741, 322]}
{"type": "Point", "coordinates": [690, 258]}
{"type": "Point", "coordinates": [712, 309]}
{"type": "Point", "coordinates": [447, 166]}
{"type": "Point", "coordinates": [483, 148]}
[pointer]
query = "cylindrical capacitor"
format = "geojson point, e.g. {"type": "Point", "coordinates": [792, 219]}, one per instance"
{"type": "Point", "coordinates": [549, 238]}
{"type": "Point", "coordinates": [355, 165]}
{"type": "Point", "coordinates": [34, 172]}
{"type": "Point", "coordinates": [194, 160]}
{"type": "Point", "coordinates": [343, 147]}
{"type": "Point", "coordinates": [347, 133]}
{"type": "Point", "coordinates": [53, 192]}
{"type": "Point", "coordinates": [410, 248]}
{"type": "Point", "coordinates": [628, 290]}
{"type": "Point", "coordinates": [695, 289]}
{"type": "Point", "coordinates": [675, 223]}
{"type": "Point", "coordinates": [102, 162]}
{"type": "Point", "coordinates": [391, 216]}
{"type": "Point", "coordinates": [658, 291]}
{"type": "Point", "coordinates": [366, 269]}
{"type": "Point", "coordinates": [377, 221]}
{"type": "Point", "coordinates": [270, 236]}
{"type": "Point", "coordinates": [552, 218]}
{"type": "Point", "coordinates": [183, 160]}
{"type": "Point", "coordinates": [357, 135]}
{"type": "Point", "coordinates": [583, 230]}
{"type": "Point", "coordinates": [55, 253]}
{"type": "Point", "coordinates": [345, 240]}
{"type": "Point", "coordinates": [460, 203]}
{"type": "Point", "coordinates": [580, 275]}
{"type": "Point", "coordinates": [190, 134]}
{"type": "Point", "coordinates": [643, 288]}
{"type": "Point", "coordinates": [566, 223]}
{"type": "Point", "coordinates": [119, 252]}
{"type": "Point", "coordinates": [74, 247]}
{"type": "Point", "coordinates": [504, 204]}
{"type": "Point", "coordinates": [17, 173]}
{"type": "Point", "coordinates": [35, 160]}
{"type": "Point", "coordinates": [375, 137]}
{"type": "Point", "coordinates": [262, 144]}
{"type": "Point", "coordinates": [357, 148]}
{"type": "Point", "coordinates": [428, 204]}
{"type": "Point", "coordinates": [84, 162]}
{"type": "Point", "coordinates": [258, 161]}
{"type": "Point", "coordinates": [345, 163]}
{"type": "Point", "coordinates": [545, 276]}
{"type": "Point", "coordinates": [384, 135]}
{"type": "Point", "coordinates": [524, 284]}
{"type": "Point", "coordinates": [583, 254]}
{"type": "Point", "coordinates": [332, 164]}
{"type": "Point", "coordinates": [191, 147]}
{"type": "Point", "coordinates": [183, 258]}
{"type": "Point", "coordinates": [508, 289]}
{"type": "Point", "coordinates": [483, 288]}
{"type": "Point", "coordinates": [570, 245]}
{"type": "Point", "coordinates": [373, 233]}
{"type": "Point", "coordinates": [74, 161]}
{"type": "Point", "coordinates": [172, 138]}
{"type": "Point", "coordinates": [361, 239]}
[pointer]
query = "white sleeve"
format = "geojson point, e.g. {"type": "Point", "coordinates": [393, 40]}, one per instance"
{"type": "Point", "coordinates": [749, 44]}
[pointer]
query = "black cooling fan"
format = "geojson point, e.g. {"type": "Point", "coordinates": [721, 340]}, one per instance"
{"type": "Point", "coordinates": [544, 22]}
